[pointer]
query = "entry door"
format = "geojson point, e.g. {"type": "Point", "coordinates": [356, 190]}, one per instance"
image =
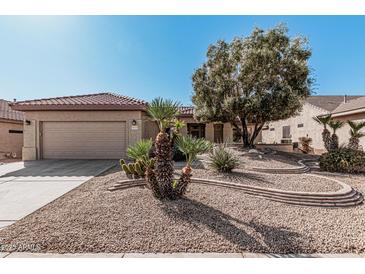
{"type": "Point", "coordinates": [218, 133]}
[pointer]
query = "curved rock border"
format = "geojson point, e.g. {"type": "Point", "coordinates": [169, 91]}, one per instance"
{"type": "Point", "coordinates": [302, 168]}
{"type": "Point", "coordinates": [345, 197]}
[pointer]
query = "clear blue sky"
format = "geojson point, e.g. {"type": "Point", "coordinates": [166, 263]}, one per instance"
{"type": "Point", "coordinates": [149, 56]}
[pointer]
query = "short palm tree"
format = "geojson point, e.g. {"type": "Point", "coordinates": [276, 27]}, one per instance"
{"type": "Point", "coordinates": [355, 133]}
{"type": "Point", "coordinates": [164, 112]}
{"type": "Point", "coordinates": [191, 147]}
{"type": "Point", "coordinates": [326, 134]}
{"type": "Point", "coordinates": [335, 125]}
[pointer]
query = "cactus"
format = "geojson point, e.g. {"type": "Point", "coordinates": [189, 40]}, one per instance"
{"type": "Point", "coordinates": [126, 170]}
{"type": "Point", "coordinates": [139, 170]}
{"type": "Point", "coordinates": [122, 162]}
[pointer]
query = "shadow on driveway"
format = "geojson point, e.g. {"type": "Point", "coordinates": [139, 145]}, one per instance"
{"type": "Point", "coordinates": [61, 168]}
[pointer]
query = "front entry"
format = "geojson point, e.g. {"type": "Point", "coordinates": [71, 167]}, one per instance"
{"type": "Point", "coordinates": [218, 133]}
{"type": "Point", "coordinates": [196, 130]}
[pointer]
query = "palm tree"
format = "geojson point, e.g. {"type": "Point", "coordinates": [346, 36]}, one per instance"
{"type": "Point", "coordinates": [335, 125]}
{"type": "Point", "coordinates": [355, 133]}
{"type": "Point", "coordinates": [164, 112]}
{"type": "Point", "coordinates": [326, 134]}
{"type": "Point", "coordinates": [191, 147]}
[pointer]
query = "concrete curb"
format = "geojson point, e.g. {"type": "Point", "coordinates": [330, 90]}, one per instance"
{"type": "Point", "coordinates": [177, 255]}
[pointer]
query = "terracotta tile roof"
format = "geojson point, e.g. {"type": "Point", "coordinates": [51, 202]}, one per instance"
{"type": "Point", "coordinates": [9, 114]}
{"type": "Point", "coordinates": [186, 111]}
{"type": "Point", "coordinates": [329, 103]}
{"type": "Point", "coordinates": [354, 104]}
{"type": "Point", "coordinates": [97, 101]}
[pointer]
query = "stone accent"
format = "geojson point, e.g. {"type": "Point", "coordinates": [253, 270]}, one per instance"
{"type": "Point", "coordinates": [345, 197]}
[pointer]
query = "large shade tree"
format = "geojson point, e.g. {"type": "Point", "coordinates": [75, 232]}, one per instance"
{"type": "Point", "coordinates": [253, 80]}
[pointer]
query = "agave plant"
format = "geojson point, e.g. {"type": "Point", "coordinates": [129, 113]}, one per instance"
{"type": "Point", "coordinates": [164, 112]}
{"type": "Point", "coordinates": [326, 134]}
{"type": "Point", "coordinates": [335, 125]}
{"type": "Point", "coordinates": [191, 147]}
{"type": "Point", "coordinates": [355, 133]}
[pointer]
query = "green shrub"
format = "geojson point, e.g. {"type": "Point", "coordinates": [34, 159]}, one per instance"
{"type": "Point", "coordinates": [343, 159]}
{"type": "Point", "coordinates": [140, 149]}
{"type": "Point", "coordinates": [222, 160]}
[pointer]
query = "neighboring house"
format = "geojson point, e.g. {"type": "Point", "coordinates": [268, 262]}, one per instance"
{"type": "Point", "coordinates": [353, 110]}
{"type": "Point", "coordinates": [97, 126]}
{"type": "Point", "coordinates": [303, 125]}
{"type": "Point", "coordinates": [11, 130]}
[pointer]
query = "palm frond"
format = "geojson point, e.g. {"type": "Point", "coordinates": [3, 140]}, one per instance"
{"type": "Point", "coordinates": [323, 120]}
{"type": "Point", "coordinates": [335, 124]}
{"type": "Point", "coordinates": [163, 111]}
{"type": "Point", "coordinates": [191, 147]}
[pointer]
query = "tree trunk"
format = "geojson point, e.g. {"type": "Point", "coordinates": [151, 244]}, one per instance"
{"type": "Point", "coordinates": [255, 133]}
{"type": "Point", "coordinates": [245, 134]}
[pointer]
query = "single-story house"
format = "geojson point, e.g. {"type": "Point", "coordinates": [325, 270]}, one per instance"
{"type": "Point", "coordinates": [289, 131]}
{"type": "Point", "coordinates": [11, 130]}
{"type": "Point", "coordinates": [98, 126]}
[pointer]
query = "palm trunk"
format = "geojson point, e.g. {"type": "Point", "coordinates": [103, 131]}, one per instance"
{"type": "Point", "coordinates": [354, 143]}
{"type": "Point", "coordinates": [326, 138]}
{"type": "Point", "coordinates": [163, 165]}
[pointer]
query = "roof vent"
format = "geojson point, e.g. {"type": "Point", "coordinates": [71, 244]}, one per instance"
{"type": "Point", "coordinates": [14, 100]}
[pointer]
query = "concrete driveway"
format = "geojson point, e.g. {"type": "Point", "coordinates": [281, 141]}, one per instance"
{"type": "Point", "coordinates": [28, 186]}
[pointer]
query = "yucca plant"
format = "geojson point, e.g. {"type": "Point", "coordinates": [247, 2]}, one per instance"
{"type": "Point", "coordinates": [326, 134]}
{"type": "Point", "coordinates": [355, 133]}
{"type": "Point", "coordinates": [335, 125]}
{"type": "Point", "coordinates": [164, 112]}
{"type": "Point", "coordinates": [191, 147]}
{"type": "Point", "coordinates": [222, 160]}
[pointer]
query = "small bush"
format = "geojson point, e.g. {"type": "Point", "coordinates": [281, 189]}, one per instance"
{"type": "Point", "coordinates": [344, 160]}
{"type": "Point", "coordinates": [222, 160]}
{"type": "Point", "coordinates": [140, 149]}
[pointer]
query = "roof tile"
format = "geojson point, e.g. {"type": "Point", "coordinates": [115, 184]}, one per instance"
{"type": "Point", "coordinates": [9, 114]}
{"type": "Point", "coordinates": [97, 101]}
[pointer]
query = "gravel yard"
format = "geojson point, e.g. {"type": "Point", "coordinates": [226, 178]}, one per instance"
{"type": "Point", "coordinates": [292, 182]}
{"type": "Point", "coordinates": [210, 219]}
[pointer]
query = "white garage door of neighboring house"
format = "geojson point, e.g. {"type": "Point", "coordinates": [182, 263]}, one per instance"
{"type": "Point", "coordinates": [83, 140]}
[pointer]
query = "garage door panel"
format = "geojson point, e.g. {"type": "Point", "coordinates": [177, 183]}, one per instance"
{"type": "Point", "coordinates": [84, 140]}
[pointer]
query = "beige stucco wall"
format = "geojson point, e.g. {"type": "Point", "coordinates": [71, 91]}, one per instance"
{"type": "Point", "coordinates": [310, 127]}
{"type": "Point", "coordinates": [10, 142]}
{"type": "Point", "coordinates": [32, 138]}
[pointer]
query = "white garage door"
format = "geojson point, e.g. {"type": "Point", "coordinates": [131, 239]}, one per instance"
{"type": "Point", "coordinates": [84, 140]}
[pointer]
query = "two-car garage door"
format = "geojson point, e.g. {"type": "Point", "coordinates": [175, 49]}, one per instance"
{"type": "Point", "coordinates": [83, 140]}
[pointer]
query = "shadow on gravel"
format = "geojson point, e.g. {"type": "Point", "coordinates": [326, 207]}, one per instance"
{"type": "Point", "coordinates": [272, 239]}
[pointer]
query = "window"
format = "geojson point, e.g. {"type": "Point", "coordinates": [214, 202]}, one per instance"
{"type": "Point", "coordinates": [272, 129]}
{"type": "Point", "coordinates": [300, 125]}
{"type": "Point", "coordinates": [286, 132]}
{"type": "Point", "coordinates": [15, 131]}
